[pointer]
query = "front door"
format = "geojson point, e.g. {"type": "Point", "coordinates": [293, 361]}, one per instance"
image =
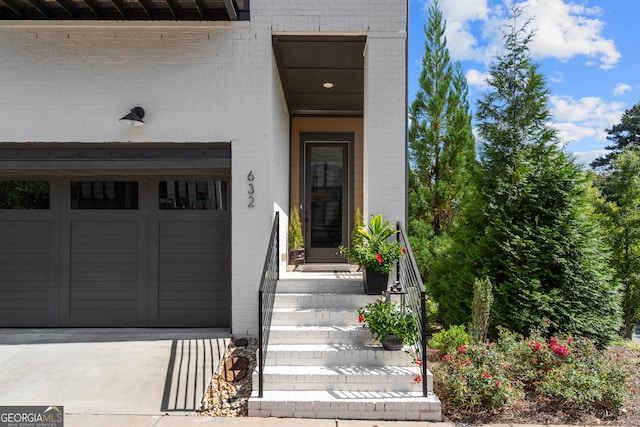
{"type": "Point", "coordinates": [327, 197]}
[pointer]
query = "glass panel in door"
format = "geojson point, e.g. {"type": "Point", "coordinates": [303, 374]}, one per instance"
{"type": "Point", "coordinates": [326, 201]}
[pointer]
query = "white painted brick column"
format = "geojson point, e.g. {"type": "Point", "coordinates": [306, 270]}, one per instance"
{"type": "Point", "coordinates": [385, 126]}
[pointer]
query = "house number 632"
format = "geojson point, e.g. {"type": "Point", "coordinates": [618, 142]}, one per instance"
{"type": "Point", "coordinates": [251, 190]}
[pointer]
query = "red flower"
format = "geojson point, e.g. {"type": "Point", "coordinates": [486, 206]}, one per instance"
{"type": "Point", "coordinates": [419, 362]}
{"type": "Point", "coordinates": [417, 379]}
{"type": "Point", "coordinates": [379, 258]}
{"type": "Point", "coordinates": [361, 318]}
{"type": "Point", "coordinates": [535, 346]}
{"type": "Point", "coordinates": [486, 375]}
{"type": "Point", "coordinates": [404, 250]}
{"type": "Point", "coordinates": [634, 391]}
{"type": "Point", "coordinates": [561, 350]}
{"type": "Point", "coordinates": [447, 357]}
{"type": "Point", "coordinates": [497, 383]}
{"type": "Point", "coordinates": [467, 362]}
{"type": "Point", "coordinates": [462, 349]}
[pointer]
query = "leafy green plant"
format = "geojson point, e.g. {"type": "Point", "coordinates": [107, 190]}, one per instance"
{"type": "Point", "coordinates": [295, 239]}
{"type": "Point", "coordinates": [386, 317]}
{"type": "Point", "coordinates": [375, 252]}
{"type": "Point", "coordinates": [481, 309]}
{"type": "Point", "coordinates": [449, 340]}
{"type": "Point", "coordinates": [377, 231]}
{"type": "Point", "coordinates": [356, 238]}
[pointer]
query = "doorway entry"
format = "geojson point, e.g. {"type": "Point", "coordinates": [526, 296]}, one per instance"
{"type": "Point", "coordinates": [328, 195]}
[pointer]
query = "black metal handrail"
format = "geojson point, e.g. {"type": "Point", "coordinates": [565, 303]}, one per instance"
{"type": "Point", "coordinates": [266, 297]}
{"type": "Point", "coordinates": [409, 278]}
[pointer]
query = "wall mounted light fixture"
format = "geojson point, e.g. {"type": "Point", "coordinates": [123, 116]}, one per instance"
{"type": "Point", "coordinates": [134, 118]}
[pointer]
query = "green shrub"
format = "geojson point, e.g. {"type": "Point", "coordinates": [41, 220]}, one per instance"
{"type": "Point", "coordinates": [296, 241]}
{"type": "Point", "coordinates": [481, 308]}
{"type": "Point", "coordinates": [449, 340]}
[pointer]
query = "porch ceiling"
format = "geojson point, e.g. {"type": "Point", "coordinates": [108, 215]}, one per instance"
{"type": "Point", "coordinates": [125, 10]}
{"type": "Point", "coordinates": [305, 63]}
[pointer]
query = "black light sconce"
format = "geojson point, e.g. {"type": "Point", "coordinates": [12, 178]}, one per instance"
{"type": "Point", "coordinates": [134, 118]}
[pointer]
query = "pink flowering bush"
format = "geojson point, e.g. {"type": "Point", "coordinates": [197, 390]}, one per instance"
{"type": "Point", "coordinates": [477, 376]}
{"type": "Point", "coordinates": [570, 371]}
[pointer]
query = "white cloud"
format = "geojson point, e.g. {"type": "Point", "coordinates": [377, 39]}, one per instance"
{"type": "Point", "coordinates": [477, 79]}
{"type": "Point", "coordinates": [621, 88]}
{"type": "Point", "coordinates": [586, 157]}
{"type": "Point", "coordinates": [557, 77]}
{"type": "Point", "coordinates": [564, 29]}
{"type": "Point", "coordinates": [571, 132]}
{"type": "Point", "coordinates": [586, 117]}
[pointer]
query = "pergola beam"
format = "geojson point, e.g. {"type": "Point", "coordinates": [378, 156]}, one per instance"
{"type": "Point", "coordinates": [14, 7]}
{"type": "Point", "coordinates": [232, 10]}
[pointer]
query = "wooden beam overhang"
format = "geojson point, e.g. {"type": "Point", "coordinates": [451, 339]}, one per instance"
{"type": "Point", "coordinates": [127, 10]}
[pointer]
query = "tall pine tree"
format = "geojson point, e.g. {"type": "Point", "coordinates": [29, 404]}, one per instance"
{"type": "Point", "coordinates": [624, 134]}
{"type": "Point", "coordinates": [440, 141]}
{"type": "Point", "coordinates": [530, 228]}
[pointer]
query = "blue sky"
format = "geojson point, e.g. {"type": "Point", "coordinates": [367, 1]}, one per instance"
{"type": "Point", "coordinates": [587, 50]}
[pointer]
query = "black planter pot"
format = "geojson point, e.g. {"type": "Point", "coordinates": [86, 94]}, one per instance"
{"type": "Point", "coordinates": [391, 342]}
{"type": "Point", "coordinates": [375, 283]}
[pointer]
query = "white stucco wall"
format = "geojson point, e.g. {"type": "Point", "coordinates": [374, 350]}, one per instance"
{"type": "Point", "coordinates": [65, 81]}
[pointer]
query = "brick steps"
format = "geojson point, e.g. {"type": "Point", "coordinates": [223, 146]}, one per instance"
{"type": "Point", "coordinates": [321, 363]}
{"type": "Point", "coordinates": [334, 354]}
{"type": "Point", "coordinates": [372, 405]}
{"type": "Point", "coordinates": [340, 378]}
{"type": "Point", "coordinates": [329, 334]}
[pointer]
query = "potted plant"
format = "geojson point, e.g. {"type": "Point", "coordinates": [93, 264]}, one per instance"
{"type": "Point", "coordinates": [375, 253]}
{"type": "Point", "coordinates": [295, 240]}
{"type": "Point", "coordinates": [389, 323]}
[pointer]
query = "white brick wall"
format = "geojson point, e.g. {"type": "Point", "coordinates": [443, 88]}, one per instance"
{"type": "Point", "coordinates": [206, 82]}
{"type": "Point", "coordinates": [385, 127]}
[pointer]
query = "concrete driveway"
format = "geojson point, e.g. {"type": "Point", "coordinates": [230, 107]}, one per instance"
{"type": "Point", "coordinates": [109, 371]}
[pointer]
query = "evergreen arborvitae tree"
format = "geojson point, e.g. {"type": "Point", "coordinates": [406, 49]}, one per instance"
{"type": "Point", "coordinates": [530, 228]}
{"type": "Point", "coordinates": [440, 141]}
{"type": "Point", "coordinates": [624, 134]}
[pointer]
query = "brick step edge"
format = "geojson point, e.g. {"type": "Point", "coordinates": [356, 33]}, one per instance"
{"type": "Point", "coordinates": [342, 378]}
{"type": "Point", "coordinates": [347, 405]}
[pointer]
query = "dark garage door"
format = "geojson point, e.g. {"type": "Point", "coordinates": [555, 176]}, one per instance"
{"type": "Point", "coordinates": [114, 252]}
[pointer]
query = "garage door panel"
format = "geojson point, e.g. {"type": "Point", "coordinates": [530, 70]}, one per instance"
{"type": "Point", "coordinates": [24, 273]}
{"type": "Point", "coordinates": [210, 251]}
{"type": "Point", "coordinates": [34, 244]}
{"type": "Point", "coordinates": [21, 318]}
{"type": "Point", "coordinates": [108, 284]}
{"type": "Point", "coordinates": [99, 268]}
{"type": "Point", "coordinates": [106, 304]}
{"type": "Point", "coordinates": [13, 299]}
{"type": "Point", "coordinates": [193, 284]}
{"type": "Point", "coordinates": [35, 259]}
{"type": "Point", "coordinates": [99, 258]}
{"type": "Point", "coordinates": [24, 229]}
{"type": "Point", "coordinates": [191, 258]}
{"type": "Point", "coordinates": [211, 227]}
{"type": "Point", "coordinates": [78, 264]}
{"type": "Point", "coordinates": [93, 318]}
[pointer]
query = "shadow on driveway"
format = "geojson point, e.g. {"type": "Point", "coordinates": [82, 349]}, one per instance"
{"type": "Point", "coordinates": [109, 371]}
